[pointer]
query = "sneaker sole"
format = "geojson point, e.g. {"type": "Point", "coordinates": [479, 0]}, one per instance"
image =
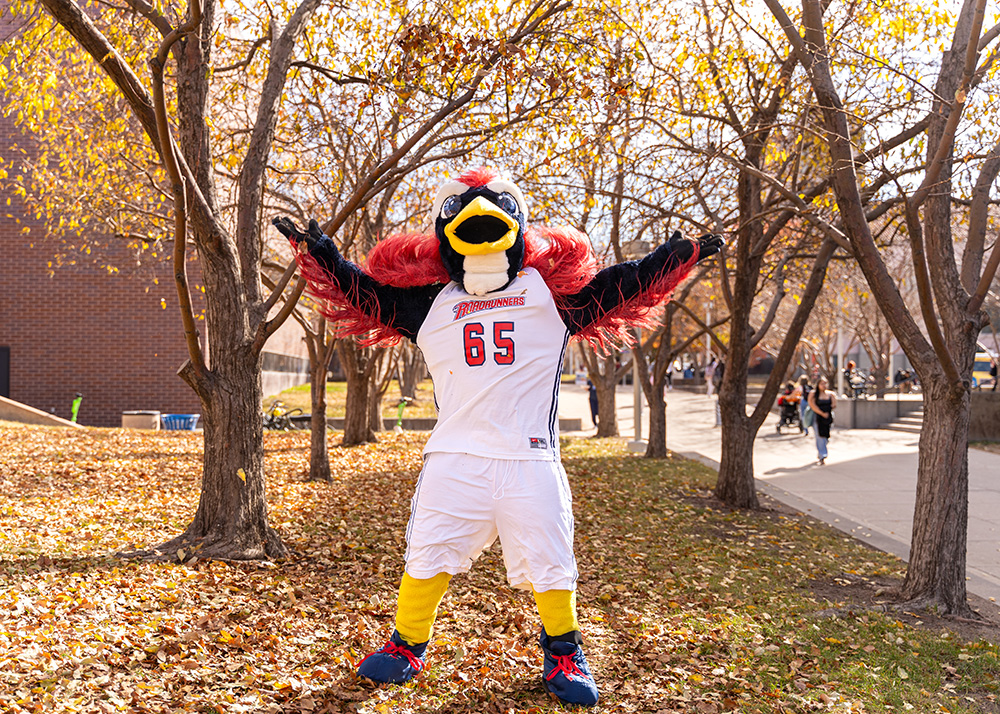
{"type": "Point", "coordinates": [558, 700]}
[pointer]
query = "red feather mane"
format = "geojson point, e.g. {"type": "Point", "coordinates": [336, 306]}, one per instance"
{"type": "Point", "coordinates": [477, 177]}
{"type": "Point", "coordinates": [562, 256]}
{"type": "Point", "coordinates": [406, 260]}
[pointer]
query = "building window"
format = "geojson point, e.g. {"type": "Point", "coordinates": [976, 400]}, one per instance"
{"type": "Point", "coordinates": [274, 362]}
{"type": "Point", "coordinates": [5, 372]}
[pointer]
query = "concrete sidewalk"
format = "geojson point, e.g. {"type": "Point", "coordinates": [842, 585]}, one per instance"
{"type": "Point", "coordinates": [866, 489]}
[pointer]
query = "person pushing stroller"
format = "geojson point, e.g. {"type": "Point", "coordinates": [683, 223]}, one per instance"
{"type": "Point", "coordinates": [788, 406]}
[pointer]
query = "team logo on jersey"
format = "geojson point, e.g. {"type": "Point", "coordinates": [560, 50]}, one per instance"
{"type": "Point", "coordinates": [469, 307]}
{"type": "Point", "coordinates": [537, 443]}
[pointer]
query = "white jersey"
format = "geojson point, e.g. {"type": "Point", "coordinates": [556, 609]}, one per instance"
{"type": "Point", "coordinates": [496, 362]}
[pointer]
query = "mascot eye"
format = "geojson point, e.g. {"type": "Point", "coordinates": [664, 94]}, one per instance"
{"type": "Point", "coordinates": [451, 207]}
{"type": "Point", "coordinates": [508, 204]}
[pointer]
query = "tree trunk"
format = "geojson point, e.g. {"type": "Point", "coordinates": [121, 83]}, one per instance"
{"type": "Point", "coordinates": [375, 420]}
{"type": "Point", "coordinates": [383, 367]}
{"type": "Point", "coordinates": [319, 455]}
{"type": "Point", "coordinates": [411, 370]}
{"type": "Point", "coordinates": [936, 572]}
{"type": "Point", "coordinates": [357, 414]}
{"type": "Point", "coordinates": [607, 411]}
{"type": "Point", "coordinates": [231, 520]}
{"type": "Point", "coordinates": [602, 372]}
{"type": "Point", "coordinates": [656, 446]}
{"type": "Point", "coordinates": [881, 378]}
{"type": "Point", "coordinates": [735, 485]}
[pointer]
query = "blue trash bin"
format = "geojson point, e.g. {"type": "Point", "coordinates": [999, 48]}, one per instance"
{"type": "Point", "coordinates": [180, 422]}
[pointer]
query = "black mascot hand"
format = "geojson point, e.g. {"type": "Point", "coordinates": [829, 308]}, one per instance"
{"type": "Point", "coordinates": [709, 244]}
{"type": "Point", "coordinates": [292, 232]}
{"type": "Point", "coordinates": [683, 247]}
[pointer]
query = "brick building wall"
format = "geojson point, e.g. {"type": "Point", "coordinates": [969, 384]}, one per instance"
{"type": "Point", "coordinates": [115, 338]}
{"type": "Point", "coordinates": [100, 335]}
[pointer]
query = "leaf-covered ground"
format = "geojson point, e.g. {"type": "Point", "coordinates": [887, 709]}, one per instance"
{"type": "Point", "coordinates": [686, 606]}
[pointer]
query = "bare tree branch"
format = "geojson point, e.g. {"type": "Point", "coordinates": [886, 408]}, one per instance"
{"type": "Point", "coordinates": [79, 25]}
{"type": "Point", "coordinates": [271, 326]}
{"type": "Point", "coordinates": [844, 177]}
{"type": "Point", "coordinates": [258, 43]}
{"type": "Point", "coordinates": [377, 174]}
{"type": "Point", "coordinates": [251, 180]}
{"type": "Point", "coordinates": [978, 217]}
{"type": "Point", "coordinates": [946, 146]}
{"type": "Point", "coordinates": [279, 287]}
{"type": "Point", "coordinates": [705, 328]}
{"type": "Point", "coordinates": [772, 310]}
{"type": "Point", "coordinates": [149, 11]}
{"type": "Point", "coordinates": [169, 154]}
{"type": "Point", "coordinates": [784, 357]}
{"type": "Point", "coordinates": [335, 77]}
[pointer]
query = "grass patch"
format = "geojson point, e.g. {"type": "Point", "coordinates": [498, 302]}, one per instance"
{"type": "Point", "coordinates": [336, 400]}
{"type": "Point", "coordinates": [686, 606]}
{"type": "Point", "coordinates": [991, 446]}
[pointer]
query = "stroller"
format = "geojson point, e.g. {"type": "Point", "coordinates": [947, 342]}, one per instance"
{"type": "Point", "coordinates": [788, 406]}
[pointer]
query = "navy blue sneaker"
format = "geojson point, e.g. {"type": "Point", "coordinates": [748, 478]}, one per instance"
{"type": "Point", "coordinates": [566, 674]}
{"type": "Point", "coordinates": [396, 662]}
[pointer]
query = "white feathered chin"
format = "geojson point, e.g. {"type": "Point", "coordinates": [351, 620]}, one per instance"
{"type": "Point", "coordinates": [485, 273]}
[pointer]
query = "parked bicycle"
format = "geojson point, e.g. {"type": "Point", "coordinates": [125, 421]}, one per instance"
{"type": "Point", "coordinates": [278, 418]}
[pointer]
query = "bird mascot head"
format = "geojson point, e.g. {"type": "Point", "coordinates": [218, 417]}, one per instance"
{"type": "Point", "coordinates": [479, 220]}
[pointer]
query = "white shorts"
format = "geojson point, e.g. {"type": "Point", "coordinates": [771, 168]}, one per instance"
{"type": "Point", "coordinates": [463, 502]}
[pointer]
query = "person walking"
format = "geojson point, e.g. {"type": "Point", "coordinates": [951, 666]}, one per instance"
{"type": "Point", "coordinates": [805, 389]}
{"type": "Point", "coordinates": [852, 380]}
{"type": "Point", "coordinates": [594, 406]}
{"type": "Point", "coordinates": [822, 402]}
{"type": "Point", "coordinates": [710, 376]}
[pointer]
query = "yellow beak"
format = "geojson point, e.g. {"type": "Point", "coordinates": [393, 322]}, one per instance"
{"type": "Point", "coordinates": [481, 207]}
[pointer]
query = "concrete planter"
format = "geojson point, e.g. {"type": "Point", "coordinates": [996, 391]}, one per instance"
{"type": "Point", "coordinates": [873, 413]}
{"type": "Point", "coordinates": [984, 422]}
{"type": "Point", "coordinates": [141, 420]}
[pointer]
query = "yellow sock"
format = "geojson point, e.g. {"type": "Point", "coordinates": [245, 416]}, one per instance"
{"type": "Point", "coordinates": [417, 605]}
{"type": "Point", "coordinates": [557, 609]}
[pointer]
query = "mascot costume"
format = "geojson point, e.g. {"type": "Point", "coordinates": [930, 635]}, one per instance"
{"type": "Point", "coordinates": [492, 304]}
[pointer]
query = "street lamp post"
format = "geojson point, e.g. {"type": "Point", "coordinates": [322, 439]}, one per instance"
{"type": "Point", "coordinates": [633, 250]}
{"type": "Point", "coordinates": [840, 359]}
{"type": "Point", "coordinates": [637, 444]}
{"type": "Point", "coordinates": [708, 334]}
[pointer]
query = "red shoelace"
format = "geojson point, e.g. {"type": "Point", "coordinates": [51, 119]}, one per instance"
{"type": "Point", "coordinates": [391, 648]}
{"type": "Point", "coordinates": [566, 665]}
